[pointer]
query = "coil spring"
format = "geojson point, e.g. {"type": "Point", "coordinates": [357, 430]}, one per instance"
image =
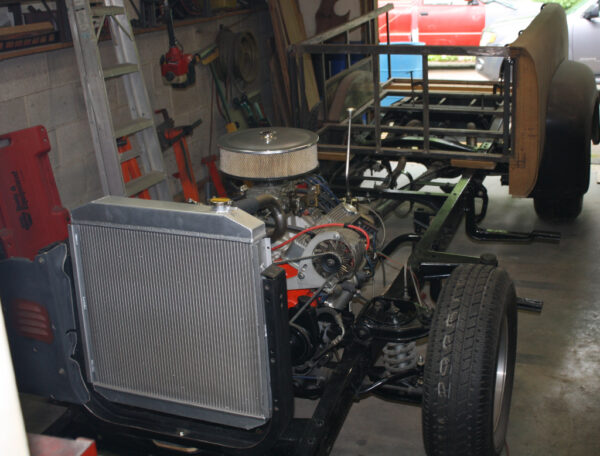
{"type": "Point", "coordinates": [398, 357]}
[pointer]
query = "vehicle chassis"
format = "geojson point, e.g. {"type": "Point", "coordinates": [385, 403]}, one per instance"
{"type": "Point", "coordinates": [370, 330]}
{"type": "Point", "coordinates": [429, 257]}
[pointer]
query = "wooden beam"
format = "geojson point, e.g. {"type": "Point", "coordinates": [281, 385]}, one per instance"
{"type": "Point", "coordinates": [333, 156]}
{"type": "Point", "coordinates": [440, 87]}
{"type": "Point", "coordinates": [288, 28]}
{"type": "Point", "coordinates": [20, 31]}
{"type": "Point", "coordinates": [473, 164]}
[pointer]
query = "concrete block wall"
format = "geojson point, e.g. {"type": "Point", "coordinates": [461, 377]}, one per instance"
{"type": "Point", "coordinates": [45, 89]}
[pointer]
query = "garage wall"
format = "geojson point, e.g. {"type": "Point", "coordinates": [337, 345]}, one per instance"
{"type": "Point", "coordinates": [44, 89]}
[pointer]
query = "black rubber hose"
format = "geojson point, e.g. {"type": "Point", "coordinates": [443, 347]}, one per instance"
{"type": "Point", "coordinates": [258, 203]}
{"type": "Point", "coordinates": [398, 241]}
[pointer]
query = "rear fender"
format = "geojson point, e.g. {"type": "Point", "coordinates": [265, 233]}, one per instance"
{"type": "Point", "coordinates": [571, 124]}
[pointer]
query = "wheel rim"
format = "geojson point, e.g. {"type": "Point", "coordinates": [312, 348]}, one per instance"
{"type": "Point", "coordinates": [501, 374]}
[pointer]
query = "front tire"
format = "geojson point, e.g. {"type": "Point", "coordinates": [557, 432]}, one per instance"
{"type": "Point", "coordinates": [470, 364]}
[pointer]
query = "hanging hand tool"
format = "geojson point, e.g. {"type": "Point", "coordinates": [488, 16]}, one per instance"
{"type": "Point", "coordinates": [176, 67]}
{"type": "Point", "coordinates": [171, 136]}
{"type": "Point", "coordinates": [260, 114]}
{"type": "Point", "coordinates": [209, 57]}
{"type": "Point", "coordinates": [242, 104]}
{"type": "Point", "coordinates": [252, 112]}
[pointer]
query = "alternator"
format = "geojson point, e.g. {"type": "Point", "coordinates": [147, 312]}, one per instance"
{"type": "Point", "coordinates": [335, 253]}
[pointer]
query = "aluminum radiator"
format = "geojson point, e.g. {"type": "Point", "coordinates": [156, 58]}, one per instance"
{"type": "Point", "coordinates": [171, 308]}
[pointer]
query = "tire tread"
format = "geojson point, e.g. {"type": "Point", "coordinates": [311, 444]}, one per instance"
{"type": "Point", "coordinates": [462, 331]}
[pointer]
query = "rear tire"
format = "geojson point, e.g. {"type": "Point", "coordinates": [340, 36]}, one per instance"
{"type": "Point", "coordinates": [558, 210]}
{"type": "Point", "coordinates": [563, 174]}
{"type": "Point", "coordinates": [470, 363]}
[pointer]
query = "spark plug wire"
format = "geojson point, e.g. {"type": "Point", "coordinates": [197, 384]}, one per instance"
{"type": "Point", "coordinates": [327, 225]}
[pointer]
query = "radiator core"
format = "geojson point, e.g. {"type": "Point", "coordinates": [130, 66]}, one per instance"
{"type": "Point", "coordinates": [171, 308]}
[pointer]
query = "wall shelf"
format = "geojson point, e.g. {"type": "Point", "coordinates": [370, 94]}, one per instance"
{"type": "Point", "coordinates": [5, 55]}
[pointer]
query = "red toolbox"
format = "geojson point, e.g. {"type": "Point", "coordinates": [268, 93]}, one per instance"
{"type": "Point", "coordinates": [31, 214]}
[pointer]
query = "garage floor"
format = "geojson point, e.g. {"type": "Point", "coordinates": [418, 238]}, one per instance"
{"type": "Point", "coordinates": [556, 398]}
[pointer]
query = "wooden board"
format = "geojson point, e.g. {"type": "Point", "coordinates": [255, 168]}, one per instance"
{"type": "Point", "coordinates": [333, 156]}
{"type": "Point", "coordinates": [19, 31]}
{"type": "Point", "coordinates": [5, 55]}
{"type": "Point", "coordinates": [280, 105]}
{"type": "Point", "coordinates": [288, 28]}
{"type": "Point", "coordinates": [366, 6]}
{"type": "Point", "coordinates": [453, 87]}
{"type": "Point", "coordinates": [280, 45]}
{"type": "Point", "coordinates": [538, 52]}
{"type": "Point", "coordinates": [473, 164]}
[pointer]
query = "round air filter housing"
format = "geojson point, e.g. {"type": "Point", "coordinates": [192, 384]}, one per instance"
{"type": "Point", "coordinates": [273, 153]}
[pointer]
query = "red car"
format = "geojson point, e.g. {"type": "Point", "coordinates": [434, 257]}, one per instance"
{"type": "Point", "coordinates": [434, 22]}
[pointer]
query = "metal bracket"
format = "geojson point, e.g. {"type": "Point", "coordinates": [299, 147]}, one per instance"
{"type": "Point", "coordinates": [482, 234]}
{"type": "Point", "coordinates": [531, 305]}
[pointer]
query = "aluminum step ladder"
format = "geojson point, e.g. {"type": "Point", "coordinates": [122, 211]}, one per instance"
{"type": "Point", "coordinates": [87, 19]}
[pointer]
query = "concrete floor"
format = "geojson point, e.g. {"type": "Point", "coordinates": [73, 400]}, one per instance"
{"type": "Point", "coordinates": [556, 398]}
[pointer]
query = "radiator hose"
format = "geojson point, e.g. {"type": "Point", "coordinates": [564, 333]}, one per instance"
{"type": "Point", "coordinates": [255, 204]}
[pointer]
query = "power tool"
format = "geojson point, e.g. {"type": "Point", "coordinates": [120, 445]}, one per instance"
{"type": "Point", "coordinates": [176, 67]}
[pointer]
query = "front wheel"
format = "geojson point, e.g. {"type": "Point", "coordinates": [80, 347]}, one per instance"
{"type": "Point", "coordinates": [470, 364]}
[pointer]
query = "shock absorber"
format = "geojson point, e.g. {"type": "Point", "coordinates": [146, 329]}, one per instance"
{"type": "Point", "coordinates": [398, 357]}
